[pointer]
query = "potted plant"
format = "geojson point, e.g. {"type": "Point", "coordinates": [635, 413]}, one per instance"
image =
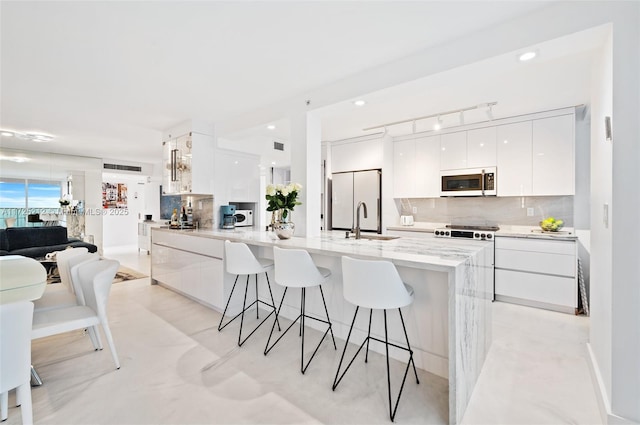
{"type": "Point", "coordinates": [281, 201]}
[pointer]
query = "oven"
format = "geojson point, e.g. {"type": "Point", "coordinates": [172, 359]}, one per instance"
{"type": "Point", "coordinates": [468, 182]}
{"type": "Point", "coordinates": [243, 218]}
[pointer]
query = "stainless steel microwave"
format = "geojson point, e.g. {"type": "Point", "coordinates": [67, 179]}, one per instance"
{"type": "Point", "coordinates": [469, 182]}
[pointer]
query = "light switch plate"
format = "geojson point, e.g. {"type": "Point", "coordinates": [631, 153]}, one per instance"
{"type": "Point", "coordinates": [605, 216]}
{"type": "Point", "coordinates": [415, 210]}
{"type": "Point", "coordinates": [530, 212]}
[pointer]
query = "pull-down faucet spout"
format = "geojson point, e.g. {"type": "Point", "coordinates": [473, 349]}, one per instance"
{"type": "Point", "coordinates": [357, 229]}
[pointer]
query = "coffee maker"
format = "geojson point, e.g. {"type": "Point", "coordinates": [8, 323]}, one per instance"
{"type": "Point", "coordinates": [227, 216]}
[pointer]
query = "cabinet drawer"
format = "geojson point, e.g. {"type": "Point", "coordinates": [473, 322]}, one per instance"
{"type": "Point", "coordinates": [537, 245]}
{"type": "Point", "coordinates": [556, 290]}
{"type": "Point", "coordinates": [200, 245]}
{"type": "Point", "coordinates": [536, 262]}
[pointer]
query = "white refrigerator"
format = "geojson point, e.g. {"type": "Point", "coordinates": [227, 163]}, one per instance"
{"type": "Point", "coordinates": [347, 190]}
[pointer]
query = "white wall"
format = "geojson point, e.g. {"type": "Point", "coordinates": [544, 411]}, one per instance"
{"type": "Point", "coordinates": [120, 227]}
{"type": "Point", "coordinates": [601, 190]}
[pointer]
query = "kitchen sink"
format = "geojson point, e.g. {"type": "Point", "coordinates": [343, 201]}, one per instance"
{"type": "Point", "coordinates": [378, 237]}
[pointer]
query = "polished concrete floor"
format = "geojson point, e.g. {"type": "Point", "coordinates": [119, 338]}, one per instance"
{"type": "Point", "coordinates": [178, 369]}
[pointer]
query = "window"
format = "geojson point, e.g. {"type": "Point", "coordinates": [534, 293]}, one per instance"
{"type": "Point", "coordinates": [43, 194]}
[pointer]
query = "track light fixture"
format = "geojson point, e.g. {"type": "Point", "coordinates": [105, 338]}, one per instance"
{"type": "Point", "coordinates": [439, 115]}
{"type": "Point", "coordinates": [489, 112]}
{"type": "Point", "coordinates": [438, 125]}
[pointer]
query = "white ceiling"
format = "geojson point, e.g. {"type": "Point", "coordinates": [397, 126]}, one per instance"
{"type": "Point", "coordinates": [107, 77]}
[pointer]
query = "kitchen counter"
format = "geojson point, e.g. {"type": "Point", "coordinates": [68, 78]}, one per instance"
{"type": "Point", "coordinates": [449, 323]}
{"type": "Point", "coordinates": [534, 232]}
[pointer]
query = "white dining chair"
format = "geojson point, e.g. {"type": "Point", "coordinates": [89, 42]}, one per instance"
{"type": "Point", "coordinates": [96, 279]}
{"type": "Point", "coordinates": [62, 294]}
{"type": "Point", "coordinates": [15, 357]}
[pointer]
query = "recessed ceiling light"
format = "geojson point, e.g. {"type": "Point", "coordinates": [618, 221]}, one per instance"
{"type": "Point", "coordinates": [527, 56]}
{"type": "Point", "coordinates": [271, 127]}
{"type": "Point", "coordinates": [273, 163]}
{"type": "Point", "coordinates": [359, 102]}
{"type": "Point", "coordinates": [6, 133]}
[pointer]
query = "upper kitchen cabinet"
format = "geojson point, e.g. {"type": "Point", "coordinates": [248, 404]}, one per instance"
{"type": "Point", "coordinates": [355, 156]}
{"type": "Point", "coordinates": [416, 168]}
{"type": "Point", "coordinates": [188, 159]}
{"type": "Point", "coordinates": [453, 151]}
{"type": "Point", "coordinates": [237, 177]}
{"type": "Point", "coordinates": [427, 167]}
{"type": "Point", "coordinates": [404, 169]}
{"type": "Point", "coordinates": [553, 160]}
{"type": "Point", "coordinates": [481, 147]}
{"type": "Point", "coordinates": [514, 159]}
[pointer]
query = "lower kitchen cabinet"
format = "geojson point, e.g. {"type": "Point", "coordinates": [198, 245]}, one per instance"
{"type": "Point", "coordinates": [192, 266]}
{"type": "Point", "coordinates": [537, 272]}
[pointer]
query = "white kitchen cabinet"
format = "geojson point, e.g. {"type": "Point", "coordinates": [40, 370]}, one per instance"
{"type": "Point", "coordinates": [404, 169]}
{"type": "Point", "coordinates": [144, 235]}
{"type": "Point", "coordinates": [514, 149]}
{"type": "Point", "coordinates": [481, 147]}
{"type": "Point", "coordinates": [192, 266]}
{"type": "Point", "coordinates": [187, 163]}
{"type": "Point", "coordinates": [453, 150]}
{"type": "Point", "coordinates": [416, 168]}
{"type": "Point", "coordinates": [237, 177]}
{"type": "Point", "coordinates": [362, 155]}
{"type": "Point", "coordinates": [537, 272]}
{"type": "Point", "coordinates": [553, 163]}
{"type": "Point", "coordinates": [427, 166]}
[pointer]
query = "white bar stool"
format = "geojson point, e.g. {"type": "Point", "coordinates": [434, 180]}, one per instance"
{"type": "Point", "coordinates": [376, 285]}
{"type": "Point", "coordinates": [295, 269]}
{"type": "Point", "coordinates": [239, 260]}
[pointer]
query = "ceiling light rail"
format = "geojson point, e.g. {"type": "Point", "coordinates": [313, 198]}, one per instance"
{"type": "Point", "coordinates": [459, 111]}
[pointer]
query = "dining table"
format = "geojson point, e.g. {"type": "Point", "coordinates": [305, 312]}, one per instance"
{"type": "Point", "coordinates": [22, 279]}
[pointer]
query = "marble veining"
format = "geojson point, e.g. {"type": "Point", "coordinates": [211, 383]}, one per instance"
{"type": "Point", "coordinates": [467, 263]}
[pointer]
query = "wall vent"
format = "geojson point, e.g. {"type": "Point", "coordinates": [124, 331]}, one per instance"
{"type": "Point", "coordinates": [278, 146]}
{"type": "Point", "coordinates": [120, 167]}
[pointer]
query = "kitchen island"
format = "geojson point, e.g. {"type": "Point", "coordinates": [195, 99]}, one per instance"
{"type": "Point", "coordinates": [449, 323]}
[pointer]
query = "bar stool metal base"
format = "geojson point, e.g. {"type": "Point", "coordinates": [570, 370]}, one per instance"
{"type": "Point", "coordinates": [246, 307]}
{"type": "Point", "coordinates": [392, 408]}
{"type": "Point", "coordinates": [302, 316]}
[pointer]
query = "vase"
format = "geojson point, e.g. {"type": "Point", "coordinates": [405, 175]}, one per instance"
{"type": "Point", "coordinates": [283, 227]}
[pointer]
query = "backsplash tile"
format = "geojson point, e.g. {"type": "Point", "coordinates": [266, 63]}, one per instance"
{"type": "Point", "coordinates": [488, 210]}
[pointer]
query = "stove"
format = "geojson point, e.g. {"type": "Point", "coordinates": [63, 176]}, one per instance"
{"type": "Point", "coordinates": [481, 233]}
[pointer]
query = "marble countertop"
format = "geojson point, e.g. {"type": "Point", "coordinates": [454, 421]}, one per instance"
{"type": "Point", "coordinates": [534, 232]}
{"type": "Point", "coordinates": [433, 254]}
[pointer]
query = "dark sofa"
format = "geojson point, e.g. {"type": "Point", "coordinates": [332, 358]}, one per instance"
{"type": "Point", "coordinates": [36, 242]}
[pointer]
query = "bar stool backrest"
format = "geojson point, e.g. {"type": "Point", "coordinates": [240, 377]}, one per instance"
{"type": "Point", "coordinates": [373, 284]}
{"type": "Point", "coordinates": [239, 259]}
{"type": "Point", "coordinates": [295, 268]}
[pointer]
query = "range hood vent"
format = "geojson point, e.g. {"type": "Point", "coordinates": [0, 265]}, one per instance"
{"type": "Point", "coordinates": [278, 146]}
{"type": "Point", "coordinates": [121, 167]}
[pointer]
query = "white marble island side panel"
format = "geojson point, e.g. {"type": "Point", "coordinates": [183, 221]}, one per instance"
{"type": "Point", "coordinates": [449, 322]}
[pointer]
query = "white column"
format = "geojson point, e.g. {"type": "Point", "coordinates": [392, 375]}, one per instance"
{"type": "Point", "coordinates": [306, 169]}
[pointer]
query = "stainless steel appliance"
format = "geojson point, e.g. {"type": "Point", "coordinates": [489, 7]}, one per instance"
{"type": "Point", "coordinates": [244, 218]}
{"type": "Point", "coordinates": [348, 189]}
{"type": "Point", "coordinates": [227, 216]}
{"type": "Point", "coordinates": [469, 182]}
{"type": "Point", "coordinates": [485, 233]}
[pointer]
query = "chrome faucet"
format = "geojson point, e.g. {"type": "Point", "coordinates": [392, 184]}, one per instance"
{"type": "Point", "coordinates": [357, 229]}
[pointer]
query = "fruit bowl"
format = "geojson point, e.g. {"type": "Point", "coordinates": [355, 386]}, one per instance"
{"type": "Point", "coordinates": [550, 224]}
